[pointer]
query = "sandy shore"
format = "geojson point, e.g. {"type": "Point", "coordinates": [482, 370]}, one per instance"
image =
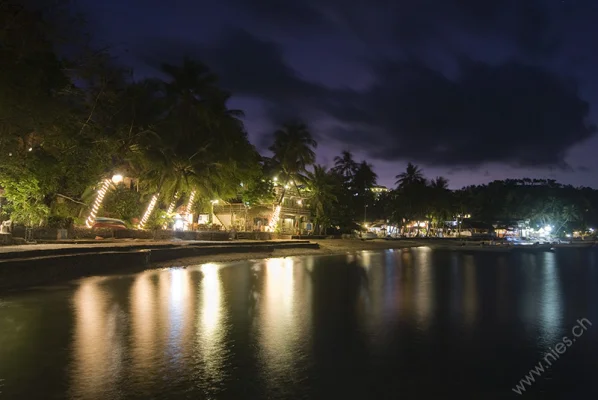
{"type": "Point", "coordinates": [327, 247]}
{"type": "Point", "coordinates": [343, 246]}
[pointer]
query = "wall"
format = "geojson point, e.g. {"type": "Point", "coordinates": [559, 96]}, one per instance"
{"type": "Point", "coordinates": [84, 233]}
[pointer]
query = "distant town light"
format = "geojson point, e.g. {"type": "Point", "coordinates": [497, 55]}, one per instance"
{"type": "Point", "coordinates": [275, 178]}
{"type": "Point", "coordinates": [117, 178]}
{"type": "Point", "coordinates": [31, 149]}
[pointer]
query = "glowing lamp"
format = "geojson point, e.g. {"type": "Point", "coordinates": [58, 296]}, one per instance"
{"type": "Point", "coordinates": [116, 179]}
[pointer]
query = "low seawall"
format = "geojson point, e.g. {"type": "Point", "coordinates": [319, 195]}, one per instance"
{"type": "Point", "coordinates": [37, 267]}
{"type": "Point", "coordinates": [75, 233]}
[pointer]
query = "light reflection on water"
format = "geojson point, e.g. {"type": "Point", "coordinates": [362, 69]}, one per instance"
{"type": "Point", "coordinates": [211, 333]}
{"type": "Point", "coordinates": [551, 301]}
{"type": "Point", "coordinates": [98, 340]}
{"type": "Point", "coordinates": [290, 327]}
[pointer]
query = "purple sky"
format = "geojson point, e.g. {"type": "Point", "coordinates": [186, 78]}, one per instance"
{"type": "Point", "coordinates": [474, 91]}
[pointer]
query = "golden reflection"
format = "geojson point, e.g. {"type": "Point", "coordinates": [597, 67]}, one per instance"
{"type": "Point", "coordinates": [424, 292]}
{"type": "Point", "coordinates": [98, 347]}
{"type": "Point", "coordinates": [180, 311]}
{"type": "Point", "coordinates": [211, 299]}
{"type": "Point", "coordinates": [211, 327]}
{"type": "Point", "coordinates": [143, 321]}
{"type": "Point", "coordinates": [278, 333]}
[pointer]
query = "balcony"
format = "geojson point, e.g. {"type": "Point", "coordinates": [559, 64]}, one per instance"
{"type": "Point", "coordinates": [301, 211]}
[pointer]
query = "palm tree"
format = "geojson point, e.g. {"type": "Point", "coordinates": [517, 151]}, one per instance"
{"type": "Point", "coordinates": [321, 186]}
{"type": "Point", "coordinates": [440, 183]}
{"type": "Point", "coordinates": [202, 144]}
{"type": "Point", "coordinates": [413, 175]}
{"type": "Point", "coordinates": [293, 150]}
{"type": "Point", "coordinates": [345, 165]}
{"type": "Point", "coordinates": [364, 177]}
{"type": "Point", "coordinates": [439, 202]}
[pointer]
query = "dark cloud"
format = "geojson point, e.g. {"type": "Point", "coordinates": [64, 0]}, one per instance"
{"type": "Point", "coordinates": [253, 66]}
{"type": "Point", "coordinates": [532, 26]}
{"type": "Point", "coordinates": [246, 65]}
{"type": "Point", "coordinates": [297, 13]}
{"type": "Point", "coordinates": [511, 113]}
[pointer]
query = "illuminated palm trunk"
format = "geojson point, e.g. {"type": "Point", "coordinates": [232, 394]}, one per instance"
{"type": "Point", "coordinates": [148, 211]}
{"type": "Point", "coordinates": [97, 203]}
{"type": "Point", "coordinates": [172, 204]}
{"type": "Point", "coordinates": [190, 202]}
{"type": "Point", "coordinates": [171, 208]}
{"type": "Point", "coordinates": [274, 219]}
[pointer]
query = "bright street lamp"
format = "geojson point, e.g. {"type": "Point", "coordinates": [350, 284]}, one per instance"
{"type": "Point", "coordinates": [117, 178]}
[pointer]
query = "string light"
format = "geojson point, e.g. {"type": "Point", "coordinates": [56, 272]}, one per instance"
{"type": "Point", "coordinates": [190, 203]}
{"type": "Point", "coordinates": [148, 212]}
{"type": "Point", "coordinates": [172, 203]}
{"type": "Point", "coordinates": [274, 219]}
{"type": "Point", "coordinates": [171, 208]}
{"type": "Point", "coordinates": [97, 203]}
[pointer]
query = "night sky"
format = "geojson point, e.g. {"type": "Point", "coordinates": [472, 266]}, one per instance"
{"type": "Point", "coordinates": [474, 90]}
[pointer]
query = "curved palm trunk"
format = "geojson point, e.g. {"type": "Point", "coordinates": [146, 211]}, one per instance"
{"type": "Point", "coordinates": [148, 211]}
{"type": "Point", "coordinates": [191, 200]}
{"type": "Point", "coordinates": [97, 203]}
{"type": "Point", "coordinates": [172, 203]}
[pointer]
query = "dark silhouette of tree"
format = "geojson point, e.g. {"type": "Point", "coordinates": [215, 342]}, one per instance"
{"type": "Point", "coordinates": [293, 151]}
{"type": "Point", "coordinates": [321, 185]}
{"type": "Point", "coordinates": [345, 165]}
{"type": "Point", "coordinates": [413, 175]}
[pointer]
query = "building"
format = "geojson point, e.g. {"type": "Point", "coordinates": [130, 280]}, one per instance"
{"type": "Point", "coordinates": [378, 190]}
{"type": "Point", "coordinates": [292, 216]}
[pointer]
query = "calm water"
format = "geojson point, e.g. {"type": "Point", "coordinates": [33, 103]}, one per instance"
{"type": "Point", "coordinates": [410, 324]}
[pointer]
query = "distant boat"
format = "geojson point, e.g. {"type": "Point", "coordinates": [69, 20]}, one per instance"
{"type": "Point", "coordinates": [109, 223]}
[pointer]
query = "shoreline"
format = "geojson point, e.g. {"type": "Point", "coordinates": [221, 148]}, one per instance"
{"type": "Point", "coordinates": [329, 247]}
{"type": "Point", "coordinates": [65, 263]}
{"type": "Point", "coordinates": [326, 247]}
